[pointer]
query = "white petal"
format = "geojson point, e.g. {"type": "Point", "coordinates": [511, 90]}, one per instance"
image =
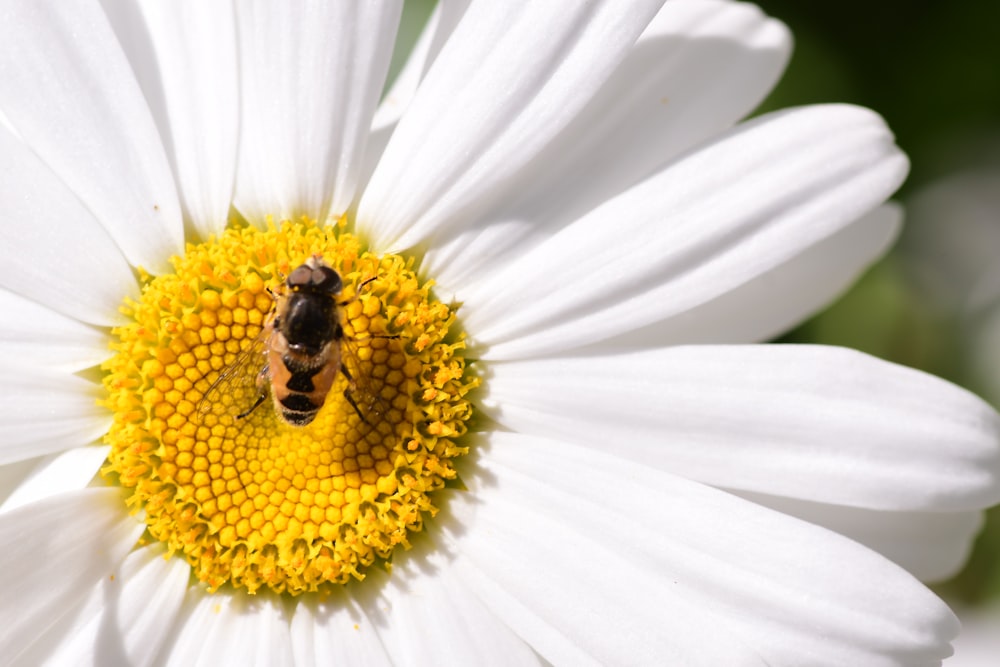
{"type": "Point", "coordinates": [441, 23]}
{"type": "Point", "coordinates": [511, 76]}
{"type": "Point", "coordinates": [311, 79]}
{"type": "Point", "coordinates": [55, 474]}
{"type": "Point", "coordinates": [53, 251]}
{"type": "Point", "coordinates": [717, 219]}
{"type": "Point", "coordinates": [125, 618]}
{"type": "Point", "coordinates": [932, 546]}
{"type": "Point", "coordinates": [657, 104]}
{"type": "Point", "coordinates": [771, 303]}
{"type": "Point", "coordinates": [335, 631]}
{"type": "Point", "coordinates": [811, 422]}
{"type": "Point", "coordinates": [54, 553]}
{"type": "Point", "coordinates": [150, 592]}
{"type": "Point", "coordinates": [230, 629]}
{"type": "Point", "coordinates": [591, 543]}
{"type": "Point", "coordinates": [184, 56]}
{"type": "Point", "coordinates": [67, 88]}
{"type": "Point", "coordinates": [49, 412]}
{"type": "Point", "coordinates": [38, 336]}
{"type": "Point", "coordinates": [432, 618]}
{"type": "Point", "coordinates": [396, 100]}
{"type": "Point", "coordinates": [576, 601]}
{"type": "Point", "coordinates": [12, 475]}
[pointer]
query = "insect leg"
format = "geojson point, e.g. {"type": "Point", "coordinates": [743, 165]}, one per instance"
{"type": "Point", "coordinates": [260, 399]}
{"type": "Point", "coordinates": [354, 404]}
{"type": "Point", "coordinates": [263, 378]}
{"type": "Point", "coordinates": [349, 395]}
{"type": "Point", "coordinates": [357, 291]}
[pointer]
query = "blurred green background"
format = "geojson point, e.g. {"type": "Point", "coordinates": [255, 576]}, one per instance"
{"type": "Point", "coordinates": [932, 69]}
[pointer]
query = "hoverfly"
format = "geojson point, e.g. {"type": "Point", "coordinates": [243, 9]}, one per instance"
{"type": "Point", "coordinates": [297, 356]}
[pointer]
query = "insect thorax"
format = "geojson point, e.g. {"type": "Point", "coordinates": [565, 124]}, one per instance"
{"type": "Point", "coordinates": [310, 322]}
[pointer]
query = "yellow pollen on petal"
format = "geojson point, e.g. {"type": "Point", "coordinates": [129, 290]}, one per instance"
{"type": "Point", "coordinates": [246, 498]}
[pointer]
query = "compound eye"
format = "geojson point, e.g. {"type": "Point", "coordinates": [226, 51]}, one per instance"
{"type": "Point", "coordinates": [327, 280]}
{"type": "Point", "coordinates": [300, 277]}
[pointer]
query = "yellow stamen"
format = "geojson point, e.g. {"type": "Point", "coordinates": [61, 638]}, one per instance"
{"type": "Point", "coordinates": [252, 501]}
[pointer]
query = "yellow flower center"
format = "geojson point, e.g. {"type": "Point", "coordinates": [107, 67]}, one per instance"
{"type": "Point", "coordinates": [242, 494]}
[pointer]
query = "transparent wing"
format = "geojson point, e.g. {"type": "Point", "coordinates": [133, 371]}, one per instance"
{"type": "Point", "coordinates": [372, 398]}
{"type": "Point", "coordinates": [241, 385]}
{"type": "Point", "coordinates": [365, 389]}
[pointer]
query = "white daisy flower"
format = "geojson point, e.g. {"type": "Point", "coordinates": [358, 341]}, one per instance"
{"type": "Point", "coordinates": [558, 249]}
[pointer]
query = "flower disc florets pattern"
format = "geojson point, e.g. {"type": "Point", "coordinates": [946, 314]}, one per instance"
{"type": "Point", "coordinates": [251, 500]}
